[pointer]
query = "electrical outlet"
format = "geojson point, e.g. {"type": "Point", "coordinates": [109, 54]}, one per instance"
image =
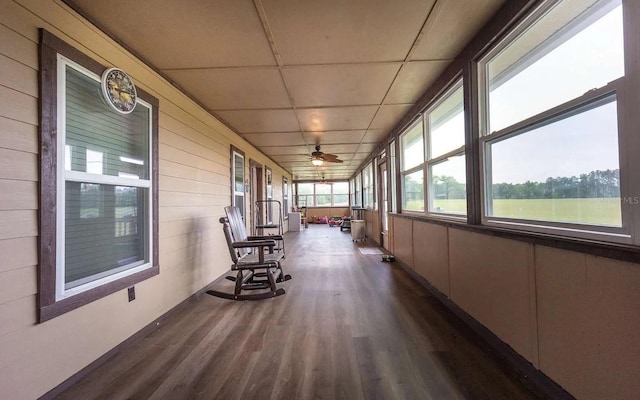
{"type": "Point", "coordinates": [132, 293]}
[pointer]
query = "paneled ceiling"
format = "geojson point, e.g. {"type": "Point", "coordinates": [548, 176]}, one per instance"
{"type": "Point", "coordinates": [289, 74]}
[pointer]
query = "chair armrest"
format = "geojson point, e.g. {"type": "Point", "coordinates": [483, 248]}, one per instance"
{"type": "Point", "coordinates": [267, 237]}
{"type": "Point", "coordinates": [259, 244]}
{"type": "Point", "coordinates": [254, 243]}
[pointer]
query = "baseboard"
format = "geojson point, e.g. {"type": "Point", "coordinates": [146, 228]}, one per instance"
{"type": "Point", "coordinates": [72, 380]}
{"type": "Point", "coordinates": [526, 373]}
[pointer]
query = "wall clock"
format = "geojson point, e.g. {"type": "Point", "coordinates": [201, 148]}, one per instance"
{"type": "Point", "coordinates": [119, 91]}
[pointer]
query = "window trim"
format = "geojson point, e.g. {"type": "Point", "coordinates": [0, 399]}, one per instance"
{"type": "Point", "coordinates": [236, 151]}
{"type": "Point", "coordinates": [48, 306]}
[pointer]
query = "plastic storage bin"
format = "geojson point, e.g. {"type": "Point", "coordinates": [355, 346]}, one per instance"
{"type": "Point", "coordinates": [294, 221]}
{"type": "Point", "coordinates": [357, 229]}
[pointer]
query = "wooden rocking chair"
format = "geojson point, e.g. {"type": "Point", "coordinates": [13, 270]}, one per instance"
{"type": "Point", "coordinates": [254, 259]}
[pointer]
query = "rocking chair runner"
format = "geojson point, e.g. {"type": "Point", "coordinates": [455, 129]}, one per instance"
{"type": "Point", "coordinates": [259, 269]}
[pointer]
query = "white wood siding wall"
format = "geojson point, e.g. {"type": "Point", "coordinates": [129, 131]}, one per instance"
{"type": "Point", "coordinates": [194, 185]}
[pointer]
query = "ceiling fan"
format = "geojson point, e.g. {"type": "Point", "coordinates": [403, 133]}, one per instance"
{"type": "Point", "coordinates": [318, 157]}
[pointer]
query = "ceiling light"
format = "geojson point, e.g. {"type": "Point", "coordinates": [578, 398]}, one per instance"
{"type": "Point", "coordinates": [317, 161]}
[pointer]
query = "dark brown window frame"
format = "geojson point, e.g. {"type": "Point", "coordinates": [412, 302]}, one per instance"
{"type": "Point", "coordinates": [47, 305]}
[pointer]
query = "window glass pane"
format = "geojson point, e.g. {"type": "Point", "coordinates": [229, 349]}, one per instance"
{"type": "Point", "coordinates": [448, 186]}
{"type": "Point", "coordinates": [105, 230]}
{"type": "Point", "coordinates": [323, 200]}
{"type": "Point", "coordinates": [412, 148]}
{"type": "Point", "coordinates": [555, 61]}
{"type": "Point", "coordinates": [305, 188]}
{"type": "Point", "coordinates": [101, 141]}
{"type": "Point", "coordinates": [238, 167]}
{"type": "Point", "coordinates": [323, 188]}
{"type": "Point", "coordinates": [341, 188]}
{"type": "Point", "coordinates": [446, 125]}
{"type": "Point", "coordinates": [564, 171]}
{"type": "Point", "coordinates": [340, 199]}
{"type": "Point", "coordinates": [413, 196]}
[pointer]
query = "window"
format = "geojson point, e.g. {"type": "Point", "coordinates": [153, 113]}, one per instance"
{"type": "Point", "coordinates": [237, 176]}
{"type": "Point", "coordinates": [329, 194]}
{"type": "Point", "coordinates": [358, 192]}
{"type": "Point", "coordinates": [550, 123]}
{"type": "Point", "coordinates": [99, 232]}
{"type": "Point", "coordinates": [437, 137]}
{"type": "Point", "coordinates": [285, 197]}
{"type": "Point", "coordinates": [368, 196]}
{"type": "Point", "coordinates": [392, 172]}
{"type": "Point", "coordinates": [305, 195]}
{"type": "Point", "coordinates": [341, 194]}
{"type": "Point", "coordinates": [412, 167]}
{"type": "Point", "coordinates": [446, 167]}
{"type": "Point", "coordinates": [269, 193]}
{"type": "Point", "coordinates": [352, 191]}
{"type": "Point", "coordinates": [323, 194]}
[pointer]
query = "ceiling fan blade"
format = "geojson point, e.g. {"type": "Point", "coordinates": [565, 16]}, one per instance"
{"type": "Point", "coordinates": [333, 160]}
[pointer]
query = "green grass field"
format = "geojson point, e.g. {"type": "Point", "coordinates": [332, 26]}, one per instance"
{"type": "Point", "coordinates": [600, 211]}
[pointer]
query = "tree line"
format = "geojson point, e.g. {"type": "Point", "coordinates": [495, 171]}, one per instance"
{"type": "Point", "coordinates": [595, 184]}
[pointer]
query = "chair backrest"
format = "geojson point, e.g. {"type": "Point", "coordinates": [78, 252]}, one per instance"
{"type": "Point", "coordinates": [229, 236]}
{"type": "Point", "coordinates": [237, 227]}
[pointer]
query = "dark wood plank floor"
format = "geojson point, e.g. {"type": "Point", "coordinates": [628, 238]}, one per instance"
{"type": "Point", "coordinates": [349, 327]}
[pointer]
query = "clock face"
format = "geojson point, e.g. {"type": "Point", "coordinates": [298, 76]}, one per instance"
{"type": "Point", "coordinates": [119, 90]}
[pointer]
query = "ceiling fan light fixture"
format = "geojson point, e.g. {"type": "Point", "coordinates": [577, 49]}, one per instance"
{"type": "Point", "coordinates": [317, 161]}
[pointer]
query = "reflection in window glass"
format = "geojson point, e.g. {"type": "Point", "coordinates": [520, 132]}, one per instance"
{"type": "Point", "coordinates": [446, 125]}
{"type": "Point", "coordinates": [101, 141]}
{"type": "Point", "coordinates": [104, 233]}
{"type": "Point", "coordinates": [448, 189]}
{"type": "Point", "coordinates": [413, 192]}
{"type": "Point", "coordinates": [564, 63]}
{"type": "Point", "coordinates": [563, 171]}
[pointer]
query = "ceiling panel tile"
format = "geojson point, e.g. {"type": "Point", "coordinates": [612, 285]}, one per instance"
{"type": "Point", "coordinates": [233, 88]}
{"type": "Point", "coordinates": [170, 34]}
{"type": "Point", "coordinates": [253, 121]}
{"type": "Point", "coordinates": [451, 26]}
{"type": "Point", "coordinates": [334, 137]}
{"type": "Point", "coordinates": [360, 156]}
{"type": "Point", "coordinates": [388, 116]}
{"type": "Point", "coordinates": [336, 119]}
{"type": "Point", "coordinates": [291, 158]}
{"type": "Point", "coordinates": [285, 150]}
{"type": "Point", "coordinates": [337, 31]}
{"type": "Point", "coordinates": [340, 85]}
{"type": "Point", "coordinates": [339, 148]}
{"type": "Point", "coordinates": [412, 81]}
{"type": "Point", "coordinates": [275, 139]}
{"type": "Point", "coordinates": [374, 136]}
{"type": "Point", "coordinates": [367, 147]}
